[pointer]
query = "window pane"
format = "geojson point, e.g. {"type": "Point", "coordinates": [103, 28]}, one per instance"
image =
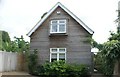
{"type": "Point", "coordinates": [54, 55]}
{"type": "Point", "coordinates": [54, 50]}
{"type": "Point", "coordinates": [54, 27]}
{"type": "Point", "coordinates": [62, 55]}
{"type": "Point", "coordinates": [61, 27]}
{"type": "Point", "coordinates": [54, 21]}
{"type": "Point", "coordinates": [62, 21]}
{"type": "Point", "coordinates": [61, 50]}
{"type": "Point", "coordinates": [62, 59]}
{"type": "Point", "coordinates": [52, 60]}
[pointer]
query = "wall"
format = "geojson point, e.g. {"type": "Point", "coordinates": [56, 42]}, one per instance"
{"type": "Point", "coordinates": [78, 51]}
{"type": "Point", "coordinates": [8, 61]}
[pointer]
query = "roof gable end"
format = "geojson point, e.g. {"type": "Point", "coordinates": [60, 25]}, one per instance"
{"type": "Point", "coordinates": [65, 9]}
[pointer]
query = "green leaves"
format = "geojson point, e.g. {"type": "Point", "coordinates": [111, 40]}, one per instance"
{"type": "Point", "coordinates": [111, 49]}
{"type": "Point", "coordinates": [4, 41]}
{"type": "Point", "coordinates": [108, 55]}
{"type": "Point", "coordinates": [60, 69]}
{"type": "Point", "coordinates": [32, 61]}
{"type": "Point", "coordinates": [19, 45]}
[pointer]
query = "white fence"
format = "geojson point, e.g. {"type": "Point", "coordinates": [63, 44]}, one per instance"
{"type": "Point", "coordinates": [8, 61]}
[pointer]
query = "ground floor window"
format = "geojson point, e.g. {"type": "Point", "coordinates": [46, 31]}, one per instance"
{"type": "Point", "coordinates": [57, 54]}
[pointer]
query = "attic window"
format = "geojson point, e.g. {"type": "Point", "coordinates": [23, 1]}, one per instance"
{"type": "Point", "coordinates": [58, 26]}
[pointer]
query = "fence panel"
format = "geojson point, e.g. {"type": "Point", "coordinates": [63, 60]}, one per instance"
{"type": "Point", "coordinates": [8, 61]}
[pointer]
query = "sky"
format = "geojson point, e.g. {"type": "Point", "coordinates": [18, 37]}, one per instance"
{"type": "Point", "coordinates": [18, 17]}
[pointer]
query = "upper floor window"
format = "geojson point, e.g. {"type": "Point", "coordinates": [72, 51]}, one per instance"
{"type": "Point", "coordinates": [58, 26]}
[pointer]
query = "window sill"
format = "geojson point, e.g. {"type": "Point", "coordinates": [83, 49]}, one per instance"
{"type": "Point", "coordinates": [58, 34]}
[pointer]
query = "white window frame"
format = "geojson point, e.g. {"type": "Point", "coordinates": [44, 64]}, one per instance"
{"type": "Point", "coordinates": [58, 52]}
{"type": "Point", "coordinates": [58, 26]}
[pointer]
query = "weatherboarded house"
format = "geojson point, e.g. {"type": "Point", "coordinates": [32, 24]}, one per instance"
{"type": "Point", "coordinates": [61, 35]}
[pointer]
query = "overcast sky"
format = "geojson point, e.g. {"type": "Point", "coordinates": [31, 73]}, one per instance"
{"type": "Point", "coordinates": [17, 17]}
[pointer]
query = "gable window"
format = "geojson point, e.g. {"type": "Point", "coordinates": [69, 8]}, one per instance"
{"type": "Point", "coordinates": [57, 54]}
{"type": "Point", "coordinates": [58, 26]}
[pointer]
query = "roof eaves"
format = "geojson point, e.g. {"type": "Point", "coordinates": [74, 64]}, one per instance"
{"type": "Point", "coordinates": [77, 19]}
{"type": "Point", "coordinates": [43, 19]}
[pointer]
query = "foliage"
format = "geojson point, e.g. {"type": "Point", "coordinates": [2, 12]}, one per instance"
{"type": "Point", "coordinates": [77, 70]}
{"type": "Point", "coordinates": [114, 36]}
{"type": "Point", "coordinates": [0, 40]}
{"type": "Point", "coordinates": [4, 41]}
{"type": "Point", "coordinates": [60, 69]}
{"type": "Point", "coordinates": [19, 45]}
{"type": "Point", "coordinates": [111, 50]}
{"type": "Point", "coordinates": [55, 68]}
{"type": "Point", "coordinates": [105, 59]}
{"type": "Point", "coordinates": [103, 65]}
{"type": "Point", "coordinates": [96, 45]}
{"type": "Point", "coordinates": [32, 61]}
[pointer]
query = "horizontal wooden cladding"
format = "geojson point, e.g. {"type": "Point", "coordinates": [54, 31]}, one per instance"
{"type": "Point", "coordinates": [62, 14]}
{"type": "Point", "coordinates": [43, 33]}
{"type": "Point", "coordinates": [40, 48]}
{"type": "Point", "coordinates": [70, 43]}
{"type": "Point", "coordinates": [76, 32]}
{"type": "Point", "coordinates": [43, 60]}
{"type": "Point", "coordinates": [79, 49]}
{"type": "Point", "coordinates": [73, 60]}
{"type": "Point", "coordinates": [44, 55]}
{"type": "Point", "coordinates": [40, 39]}
{"type": "Point", "coordinates": [80, 54]}
{"type": "Point", "coordinates": [76, 38]}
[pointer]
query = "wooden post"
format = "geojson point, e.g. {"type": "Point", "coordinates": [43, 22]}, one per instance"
{"type": "Point", "coordinates": [117, 68]}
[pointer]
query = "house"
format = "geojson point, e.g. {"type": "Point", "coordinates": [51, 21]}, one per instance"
{"type": "Point", "coordinates": [61, 35]}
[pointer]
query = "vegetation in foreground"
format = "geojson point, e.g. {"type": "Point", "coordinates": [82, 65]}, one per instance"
{"type": "Point", "coordinates": [107, 61]}
{"type": "Point", "coordinates": [56, 68]}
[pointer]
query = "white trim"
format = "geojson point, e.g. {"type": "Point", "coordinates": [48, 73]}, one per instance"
{"type": "Point", "coordinates": [58, 31]}
{"type": "Point", "coordinates": [65, 9]}
{"type": "Point", "coordinates": [58, 52]}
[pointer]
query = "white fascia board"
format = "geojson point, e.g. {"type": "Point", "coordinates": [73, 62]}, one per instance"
{"type": "Point", "coordinates": [77, 19]}
{"type": "Point", "coordinates": [42, 20]}
{"type": "Point", "coordinates": [65, 9]}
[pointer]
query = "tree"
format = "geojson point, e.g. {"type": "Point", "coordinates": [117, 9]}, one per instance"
{"type": "Point", "coordinates": [4, 41]}
{"type": "Point", "coordinates": [19, 45]}
{"type": "Point", "coordinates": [96, 45]}
{"type": "Point", "coordinates": [109, 57]}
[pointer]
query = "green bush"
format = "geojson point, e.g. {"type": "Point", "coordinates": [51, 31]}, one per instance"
{"type": "Point", "coordinates": [60, 69]}
{"type": "Point", "coordinates": [32, 62]}
{"type": "Point", "coordinates": [77, 70]}
{"type": "Point", "coordinates": [102, 65]}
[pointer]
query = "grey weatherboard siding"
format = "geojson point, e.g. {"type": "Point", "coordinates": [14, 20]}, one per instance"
{"type": "Point", "coordinates": [78, 51]}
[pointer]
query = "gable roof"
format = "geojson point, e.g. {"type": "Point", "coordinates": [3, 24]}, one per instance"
{"type": "Point", "coordinates": [66, 10]}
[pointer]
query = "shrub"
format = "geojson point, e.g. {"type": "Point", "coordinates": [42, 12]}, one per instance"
{"type": "Point", "coordinates": [77, 70]}
{"type": "Point", "coordinates": [32, 62]}
{"type": "Point", "coordinates": [60, 69]}
{"type": "Point", "coordinates": [55, 68]}
{"type": "Point", "coordinates": [102, 65]}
